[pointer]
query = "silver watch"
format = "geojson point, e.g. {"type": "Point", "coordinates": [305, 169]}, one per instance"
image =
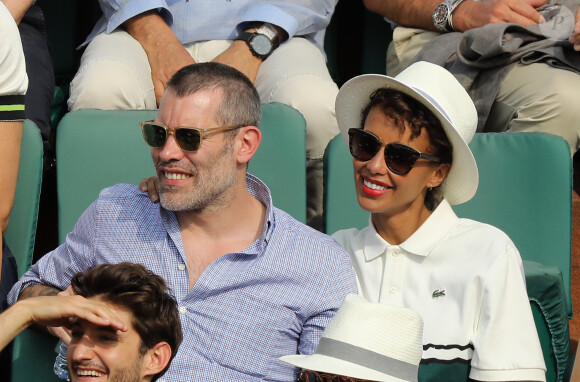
{"type": "Point", "coordinates": [442, 15]}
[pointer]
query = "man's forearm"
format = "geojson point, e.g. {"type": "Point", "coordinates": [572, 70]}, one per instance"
{"type": "Point", "coordinates": [12, 322]}
{"type": "Point", "coordinates": [38, 290]}
{"type": "Point", "coordinates": [409, 13]}
{"type": "Point", "coordinates": [150, 30]}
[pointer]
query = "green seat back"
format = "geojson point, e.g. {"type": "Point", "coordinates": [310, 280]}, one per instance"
{"type": "Point", "coordinates": [30, 362]}
{"type": "Point", "coordinates": [98, 148]}
{"type": "Point", "coordinates": [525, 189]}
{"type": "Point", "coordinates": [21, 231]}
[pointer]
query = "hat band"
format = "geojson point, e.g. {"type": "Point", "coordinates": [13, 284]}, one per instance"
{"type": "Point", "coordinates": [367, 358]}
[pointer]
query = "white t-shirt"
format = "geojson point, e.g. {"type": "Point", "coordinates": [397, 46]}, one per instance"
{"type": "Point", "coordinates": [466, 279]}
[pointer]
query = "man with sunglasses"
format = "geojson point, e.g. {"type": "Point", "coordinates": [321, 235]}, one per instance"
{"type": "Point", "coordinates": [252, 283]}
{"type": "Point", "coordinates": [138, 45]}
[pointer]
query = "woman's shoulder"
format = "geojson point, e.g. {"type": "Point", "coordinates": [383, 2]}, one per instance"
{"type": "Point", "coordinates": [348, 238]}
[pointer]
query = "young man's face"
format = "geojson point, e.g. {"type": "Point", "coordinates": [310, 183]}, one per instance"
{"type": "Point", "coordinates": [99, 353]}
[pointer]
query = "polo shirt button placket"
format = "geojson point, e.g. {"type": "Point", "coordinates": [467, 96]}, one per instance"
{"type": "Point", "coordinates": [396, 253]}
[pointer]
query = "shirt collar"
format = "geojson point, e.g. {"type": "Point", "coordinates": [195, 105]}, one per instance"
{"type": "Point", "coordinates": [258, 190]}
{"type": "Point", "coordinates": [422, 241]}
{"type": "Point", "coordinates": [262, 193]}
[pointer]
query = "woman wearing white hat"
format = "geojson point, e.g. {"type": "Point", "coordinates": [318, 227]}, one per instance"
{"type": "Point", "coordinates": [408, 136]}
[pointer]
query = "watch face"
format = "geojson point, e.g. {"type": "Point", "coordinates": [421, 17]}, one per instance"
{"type": "Point", "coordinates": [261, 44]}
{"type": "Point", "coordinates": [441, 13]}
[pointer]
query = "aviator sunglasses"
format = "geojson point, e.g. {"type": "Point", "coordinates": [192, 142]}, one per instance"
{"type": "Point", "coordinates": [400, 158]}
{"type": "Point", "coordinates": [187, 138]}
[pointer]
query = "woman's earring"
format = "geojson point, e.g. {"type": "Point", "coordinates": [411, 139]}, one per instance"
{"type": "Point", "coordinates": [430, 187]}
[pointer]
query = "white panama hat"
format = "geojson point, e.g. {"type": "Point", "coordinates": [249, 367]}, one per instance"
{"type": "Point", "coordinates": [365, 340]}
{"type": "Point", "coordinates": [437, 89]}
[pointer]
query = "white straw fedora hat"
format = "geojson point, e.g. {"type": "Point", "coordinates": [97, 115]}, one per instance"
{"type": "Point", "coordinates": [367, 340]}
{"type": "Point", "coordinates": [443, 95]}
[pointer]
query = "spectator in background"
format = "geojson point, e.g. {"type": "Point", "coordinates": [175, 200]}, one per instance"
{"type": "Point", "coordinates": [252, 282]}
{"type": "Point", "coordinates": [31, 25]}
{"type": "Point", "coordinates": [365, 341]}
{"type": "Point", "coordinates": [13, 85]}
{"type": "Point", "coordinates": [137, 46]}
{"type": "Point", "coordinates": [530, 82]}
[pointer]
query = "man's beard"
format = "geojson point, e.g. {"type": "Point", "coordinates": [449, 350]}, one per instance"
{"type": "Point", "coordinates": [211, 185]}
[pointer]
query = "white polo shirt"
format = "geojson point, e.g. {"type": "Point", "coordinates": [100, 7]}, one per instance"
{"type": "Point", "coordinates": [466, 279]}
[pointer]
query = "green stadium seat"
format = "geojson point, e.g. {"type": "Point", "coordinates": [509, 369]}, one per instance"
{"type": "Point", "coordinates": [21, 231]}
{"type": "Point", "coordinates": [29, 361]}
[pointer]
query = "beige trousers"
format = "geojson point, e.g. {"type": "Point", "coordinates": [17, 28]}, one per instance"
{"type": "Point", "coordinates": [535, 97]}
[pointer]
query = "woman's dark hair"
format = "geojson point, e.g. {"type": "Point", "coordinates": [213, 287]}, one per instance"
{"type": "Point", "coordinates": [407, 112]}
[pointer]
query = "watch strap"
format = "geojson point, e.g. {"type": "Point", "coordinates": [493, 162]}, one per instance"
{"type": "Point", "coordinates": [248, 37]}
{"type": "Point", "coordinates": [271, 32]}
{"type": "Point", "coordinates": [446, 24]}
{"type": "Point", "coordinates": [454, 6]}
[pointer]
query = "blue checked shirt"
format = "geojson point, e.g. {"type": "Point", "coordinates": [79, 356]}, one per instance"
{"type": "Point", "coordinates": [246, 310]}
{"type": "Point", "coordinates": [203, 20]}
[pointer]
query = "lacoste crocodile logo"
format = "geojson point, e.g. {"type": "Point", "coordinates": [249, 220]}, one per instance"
{"type": "Point", "coordinates": [438, 293]}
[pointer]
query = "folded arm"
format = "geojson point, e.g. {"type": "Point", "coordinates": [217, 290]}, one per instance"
{"type": "Point", "coordinates": [164, 51]}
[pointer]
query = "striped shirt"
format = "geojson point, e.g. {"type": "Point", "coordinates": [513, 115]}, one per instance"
{"type": "Point", "coordinates": [245, 311]}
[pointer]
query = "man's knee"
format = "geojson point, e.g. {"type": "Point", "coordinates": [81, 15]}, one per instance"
{"type": "Point", "coordinates": [109, 84]}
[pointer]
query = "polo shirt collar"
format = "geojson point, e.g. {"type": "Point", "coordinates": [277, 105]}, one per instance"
{"type": "Point", "coordinates": [421, 242]}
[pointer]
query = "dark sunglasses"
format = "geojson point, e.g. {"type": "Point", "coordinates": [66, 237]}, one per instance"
{"type": "Point", "coordinates": [187, 138]}
{"type": "Point", "coordinates": [400, 158]}
{"type": "Point", "coordinates": [313, 376]}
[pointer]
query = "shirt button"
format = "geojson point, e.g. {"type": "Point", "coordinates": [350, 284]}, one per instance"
{"type": "Point", "coordinates": [181, 267]}
{"type": "Point", "coordinates": [182, 309]}
{"type": "Point", "coordinates": [396, 253]}
{"type": "Point", "coordinates": [393, 290]}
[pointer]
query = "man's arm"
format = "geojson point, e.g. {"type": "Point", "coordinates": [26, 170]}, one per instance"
{"type": "Point", "coordinates": [240, 57]}
{"type": "Point", "coordinates": [165, 53]}
{"type": "Point", "coordinates": [37, 290]}
{"type": "Point", "coordinates": [468, 15]}
{"type": "Point", "coordinates": [339, 281]}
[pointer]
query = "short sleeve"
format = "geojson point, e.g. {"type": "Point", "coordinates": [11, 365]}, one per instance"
{"type": "Point", "coordinates": [506, 343]}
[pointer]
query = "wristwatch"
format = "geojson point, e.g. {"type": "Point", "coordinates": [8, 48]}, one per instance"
{"type": "Point", "coordinates": [442, 15]}
{"type": "Point", "coordinates": [263, 41]}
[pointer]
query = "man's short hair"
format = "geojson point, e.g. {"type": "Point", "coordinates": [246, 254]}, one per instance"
{"type": "Point", "coordinates": [240, 105]}
{"type": "Point", "coordinates": [143, 293]}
